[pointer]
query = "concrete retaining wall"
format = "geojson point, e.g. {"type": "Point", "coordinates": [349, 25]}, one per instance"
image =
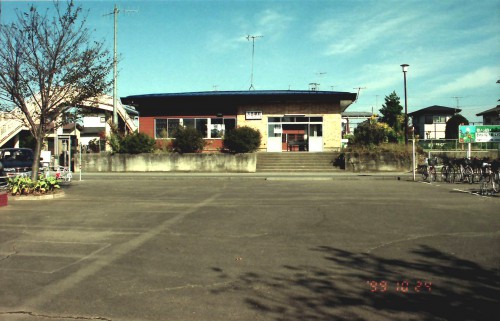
{"type": "Point", "coordinates": [240, 163]}
{"type": "Point", "coordinates": [387, 162]}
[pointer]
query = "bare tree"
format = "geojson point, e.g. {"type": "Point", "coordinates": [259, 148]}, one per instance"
{"type": "Point", "coordinates": [49, 64]}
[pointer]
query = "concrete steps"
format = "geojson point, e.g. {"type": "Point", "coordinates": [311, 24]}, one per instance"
{"type": "Point", "coordinates": [296, 162]}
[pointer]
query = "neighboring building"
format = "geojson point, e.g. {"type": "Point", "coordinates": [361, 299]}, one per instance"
{"type": "Point", "coordinates": [491, 116]}
{"type": "Point", "coordinates": [351, 120]}
{"type": "Point", "coordinates": [96, 125]}
{"type": "Point", "coordinates": [288, 120]}
{"type": "Point", "coordinates": [430, 122]}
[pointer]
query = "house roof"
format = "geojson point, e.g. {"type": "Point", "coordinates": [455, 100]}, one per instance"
{"type": "Point", "coordinates": [92, 130]}
{"type": "Point", "coordinates": [495, 110]}
{"type": "Point", "coordinates": [357, 114]}
{"type": "Point", "coordinates": [225, 99]}
{"type": "Point", "coordinates": [435, 110]}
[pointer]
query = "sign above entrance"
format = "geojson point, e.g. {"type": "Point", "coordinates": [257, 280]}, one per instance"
{"type": "Point", "coordinates": [253, 115]}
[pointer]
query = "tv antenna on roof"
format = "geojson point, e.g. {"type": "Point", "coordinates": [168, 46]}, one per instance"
{"type": "Point", "coordinates": [457, 99]}
{"type": "Point", "coordinates": [357, 95]}
{"type": "Point", "coordinates": [115, 13]}
{"type": "Point", "coordinates": [253, 54]}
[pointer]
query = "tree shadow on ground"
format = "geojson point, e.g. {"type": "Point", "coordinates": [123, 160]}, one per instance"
{"type": "Point", "coordinates": [451, 288]}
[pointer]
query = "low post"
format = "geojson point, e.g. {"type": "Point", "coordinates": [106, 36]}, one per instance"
{"type": "Point", "coordinates": [413, 156]}
{"type": "Point", "coordinates": [80, 165]}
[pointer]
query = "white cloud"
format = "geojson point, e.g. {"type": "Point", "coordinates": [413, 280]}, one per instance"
{"type": "Point", "coordinates": [484, 76]}
{"type": "Point", "coordinates": [273, 22]}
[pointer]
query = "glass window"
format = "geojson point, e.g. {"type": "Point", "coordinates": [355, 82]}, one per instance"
{"type": "Point", "coordinates": [302, 119]}
{"type": "Point", "coordinates": [274, 119]}
{"type": "Point", "coordinates": [216, 128]}
{"type": "Point", "coordinates": [428, 119]}
{"type": "Point", "coordinates": [161, 128]}
{"type": "Point", "coordinates": [439, 119]}
{"type": "Point", "coordinates": [274, 130]}
{"type": "Point", "coordinates": [188, 123]}
{"type": "Point", "coordinates": [316, 119]}
{"type": "Point", "coordinates": [316, 130]}
{"type": "Point", "coordinates": [173, 124]}
{"type": "Point", "coordinates": [230, 123]}
{"type": "Point", "coordinates": [201, 126]}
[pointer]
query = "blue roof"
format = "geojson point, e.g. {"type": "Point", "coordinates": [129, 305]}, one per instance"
{"type": "Point", "coordinates": [226, 101]}
{"type": "Point", "coordinates": [240, 93]}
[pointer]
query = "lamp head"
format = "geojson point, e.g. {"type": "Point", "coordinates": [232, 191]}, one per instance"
{"type": "Point", "coordinates": [405, 67]}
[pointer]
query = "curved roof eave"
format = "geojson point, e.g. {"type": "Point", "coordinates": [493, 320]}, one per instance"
{"type": "Point", "coordinates": [241, 97]}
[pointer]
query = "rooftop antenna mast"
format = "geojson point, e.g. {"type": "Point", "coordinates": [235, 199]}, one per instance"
{"type": "Point", "coordinates": [253, 54]}
{"type": "Point", "coordinates": [359, 89]}
{"type": "Point", "coordinates": [458, 103]}
{"type": "Point", "coordinates": [115, 13]}
{"type": "Point", "coordinates": [457, 99]}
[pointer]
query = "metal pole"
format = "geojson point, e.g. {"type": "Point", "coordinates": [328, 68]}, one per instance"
{"type": "Point", "coordinates": [413, 156]}
{"type": "Point", "coordinates": [406, 111]}
{"type": "Point", "coordinates": [115, 67]}
{"type": "Point", "coordinates": [80, 161]}
{"type": "Point", "coordinates": [253, 53]}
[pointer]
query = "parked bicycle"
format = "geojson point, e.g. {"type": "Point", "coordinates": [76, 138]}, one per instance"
{"type": "Point", "coordinates": [489, 183]}
{"type": "Point", "coordinates": [463, 170]}
{"type": "Point", "coordinates": [447, 171]}
{"type": "Point", "coordinates": [428, 170]}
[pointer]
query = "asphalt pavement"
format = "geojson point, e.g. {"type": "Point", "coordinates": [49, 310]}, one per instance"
{"type": "Point", "coordinates": [151, 246]}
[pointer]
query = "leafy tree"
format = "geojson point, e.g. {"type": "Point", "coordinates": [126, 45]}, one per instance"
{"type": "Point", "coordinates": [242, 140]}
{"type": "Point", "coordinates": [48, 65]}
{"type": "Point", "coordinates": [188, 140]}
{"type": "Point", "coordinates": [371, 132]}
{"type": "Point", "coordinates": [392, 111]}
{"type": "Point", "coordinates": [451, 130]}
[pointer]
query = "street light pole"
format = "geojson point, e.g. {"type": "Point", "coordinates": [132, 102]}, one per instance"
{"type": "Point", "coordinates": [405, 69]}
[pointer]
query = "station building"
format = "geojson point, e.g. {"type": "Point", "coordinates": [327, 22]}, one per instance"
{"type": "Point", "coordinates": [307, 121]}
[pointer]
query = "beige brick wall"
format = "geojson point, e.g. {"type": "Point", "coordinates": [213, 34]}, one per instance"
{"type": "Point", "coordinates": [332, 127]}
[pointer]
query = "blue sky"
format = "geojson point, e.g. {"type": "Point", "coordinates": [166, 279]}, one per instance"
{"type": "Point", "coordinates": [452, 47]}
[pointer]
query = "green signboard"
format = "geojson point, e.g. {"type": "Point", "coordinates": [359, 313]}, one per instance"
{"type": "Point", "coordinates": [479, 134]}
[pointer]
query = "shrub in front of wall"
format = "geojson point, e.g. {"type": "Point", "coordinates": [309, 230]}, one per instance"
{"type": "Point", "coordinates": [188, 140]}
{"type": "Point", "coordinates": [242, 140]}
{"type": "Point", "coordinates": [137, 143]}
{"type": "Point", "coordinates": [134, 143]}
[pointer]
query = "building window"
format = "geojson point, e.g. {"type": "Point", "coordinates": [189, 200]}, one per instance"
{"type": "Point", "coordinates": [208, 127]}
{"type": "Point", "coordinates": [161, 128]}
{"type": "Point", "coordinates": [173, 124]}
{"type": "Point", "coordinates": [216, 128]}
{"type": "Point", "coordinates": [439, 119]}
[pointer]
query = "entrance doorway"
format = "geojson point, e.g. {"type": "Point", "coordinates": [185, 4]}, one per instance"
{"type": "Point", "coordinates": [294, 138]}
{"type": "Point", "coordinates": [295, 134]}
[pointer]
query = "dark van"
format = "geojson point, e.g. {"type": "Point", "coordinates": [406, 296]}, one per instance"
{"type": "Point", "coordinates": [16, 161]}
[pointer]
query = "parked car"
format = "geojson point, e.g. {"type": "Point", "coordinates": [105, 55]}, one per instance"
{"type": "Point", "coordinates": [16, 161]}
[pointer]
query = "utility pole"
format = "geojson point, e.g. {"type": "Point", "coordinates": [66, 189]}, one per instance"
{"type": "Point", "coordinates": [115, 13]}
{"type": "Point", "coordinates": [115, 66]}
{"type": "Point", "coordinates": [253, 54]}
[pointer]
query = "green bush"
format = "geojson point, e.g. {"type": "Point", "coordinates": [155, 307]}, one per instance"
{"type": "Point", "coordinates": [242, 140]}
{"type": "Point", "coordinates": [188, 140]}
{"type": "Point", "coordinates": [137, 143]}
{"type": "Point", "coordinates": [134, 143]}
